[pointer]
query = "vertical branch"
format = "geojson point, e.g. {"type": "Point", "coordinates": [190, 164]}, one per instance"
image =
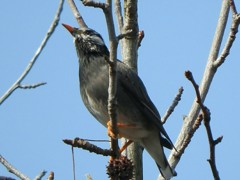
{"type": "Point", "coordinates": [112, 89]}
{"type": "Point", "coordinates": [119, 17]}
{"type": "Point", "coordinates": [130, 56]}
{"type": "Point", "coordinates": [207, 117]}
{"type": "Point", "coordinates": [118, 13]}
{"type": "Point", "coordinates": [130, 42]}
{"type": "Point", "coordinates": [77, 14]}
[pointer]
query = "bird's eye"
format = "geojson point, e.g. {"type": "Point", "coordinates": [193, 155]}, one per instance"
{"type": "Point", "coordinates": [87, 32]}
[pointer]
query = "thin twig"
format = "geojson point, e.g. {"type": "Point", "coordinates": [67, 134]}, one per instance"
{"type": "Point", "coordinates": [173, 105]}
{"type": "Point", "coordinates": [231, 37]}
{"type": "Point", "coordinates": [118, 13]}
{"type": "Point", "coordinates": [40, 176]}
{"type": "Point", "coordinates": [12, 169]}
{"type": "Point", "coordinates": [123, 35]}
{"type": "Point", "coordinates": [112, 89]}
{"type": "Point", "coordinates": [80, 143]}
{"type": "Point", "coordinates": [31, 86]}
{"type": "Point", "coordinates": [96, 140]}
{"type": "Point", "coordinates": [36, 55]}
{"type": "Point", "coordinates": [206, 118]}
{"type": "Point", "coordinates": [233, 7]}
{"type": "Point", "coordinates": [73, 164]}
{"type": "Point", "coordinates": [6, 178]}
{"type": "Point", "coordinates": [119, 17]}
{"type": "Point", "coordinates": [88, 177]}
{"type": "Point", "coordinates": [140, 38]}
{"type": "Point", "coordinates": [94, 4]}
{"type": "Point", "coordinates": [207, 78]}
{"type": "Point", "coordinates": [187, 140]}
{"type": "Point", "coordinates": [77, 14]}
{"type": "Point", "coordinates": [189, 76]}
{"type": "Point", "coordinates": [51, 176]}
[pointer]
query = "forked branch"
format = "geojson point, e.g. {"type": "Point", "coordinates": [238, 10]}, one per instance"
{"type": "Point", "coordinates": [206, 119]}
{"type": "Point", "coordinates": [50, 31]}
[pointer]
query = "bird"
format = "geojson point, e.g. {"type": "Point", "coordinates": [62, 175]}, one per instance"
{"type": "Point", "coordinates": [139, 118]}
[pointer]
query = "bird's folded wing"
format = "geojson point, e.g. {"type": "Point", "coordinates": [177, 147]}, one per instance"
{"type": "Point", "coordinates": [131, 82]}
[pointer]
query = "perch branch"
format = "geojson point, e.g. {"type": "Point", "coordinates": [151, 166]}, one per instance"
{"type": "Point", "coordinates": [36, 55]}
{"type": "Point", "coordinates": [173, 105]}
{"type": "Point", "coordinates": [112, 89]}
{"type": "Point", "coordinates": [119, 17]}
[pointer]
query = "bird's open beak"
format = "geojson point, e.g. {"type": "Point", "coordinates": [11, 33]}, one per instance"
{"type": "Point", "coordinates": [69, 28]}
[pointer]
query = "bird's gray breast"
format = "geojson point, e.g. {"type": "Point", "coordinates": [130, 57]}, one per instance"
{"type": "Point", "coordinates": [94, 88]}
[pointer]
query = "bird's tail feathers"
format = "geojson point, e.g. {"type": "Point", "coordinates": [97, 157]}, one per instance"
{"type": "Point", "coordinates": [154, 147]}
{"type": "Point", "coordinates": [167, 172]}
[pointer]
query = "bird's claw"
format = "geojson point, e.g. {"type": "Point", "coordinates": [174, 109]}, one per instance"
{"type": "Point", "coordinates": [110, 132]}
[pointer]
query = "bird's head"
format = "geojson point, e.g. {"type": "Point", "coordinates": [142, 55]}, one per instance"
{"type": "Point", "coordinates": [88, 42]}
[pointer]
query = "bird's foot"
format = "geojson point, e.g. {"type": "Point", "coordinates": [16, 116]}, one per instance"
{"type": "Point", "coordinates": [119, 125]}
{"type": "Point", "coordinates": [110, 132]}
{"type": "Point", "coordinates": [125, 146]}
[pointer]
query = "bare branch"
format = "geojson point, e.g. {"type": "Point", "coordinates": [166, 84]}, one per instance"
{"type": "Point", "coordinates": [94, 4]}
{"type": "Point", "coordinates": [77, 14]}
{"type": "Point", "coordinates": [130, 43]}
{"type": "Point", "coordinates": [231, 37]}
{"type": "Point", "coordinates": [36, 55]}
{"type": "Point", "coordinates": [119, 17]}
{"type": "Point", "coordinates": [118, 13]}
{"type": "Point", "coordinates": [31, 86]}
{"type": "Point", "coordinates": [51, 176]}
{"type": "Point", "coordinates": [123, 35]}
{"type": "Point", "coordinates": [140, 38]}
{"type": "Point", "coordinates": [6, 178]}
{"type": "Point", "coordinates": [88, 177]}
{"type": "Point", "coordinates": [207, 118]}
{"type": "Point", "coordinates": [12, 169]}
{"type": "Point", "coordinates": [112, 89]}
{"type": "Point", "coordinates": [80, 143]}
{"type": "Point", "coordinates": [41, 174]}
{"type": "Point", "coordinates": [208, 75]}
{"type": "Point", "coordinates": [187, 140]}
{"type": "Point", "coordinates": [173, 105]}
{"type": "Point", "coordinates": [233, 7]}
{"type": "Point", "coordinates": [212, 144]}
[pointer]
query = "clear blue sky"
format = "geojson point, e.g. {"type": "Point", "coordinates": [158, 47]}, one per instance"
{"type": "Point", "coordinates": [178, 36]}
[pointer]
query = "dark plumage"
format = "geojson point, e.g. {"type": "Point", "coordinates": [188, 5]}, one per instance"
{"type": "Point", "coordinates": [134, 105]}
